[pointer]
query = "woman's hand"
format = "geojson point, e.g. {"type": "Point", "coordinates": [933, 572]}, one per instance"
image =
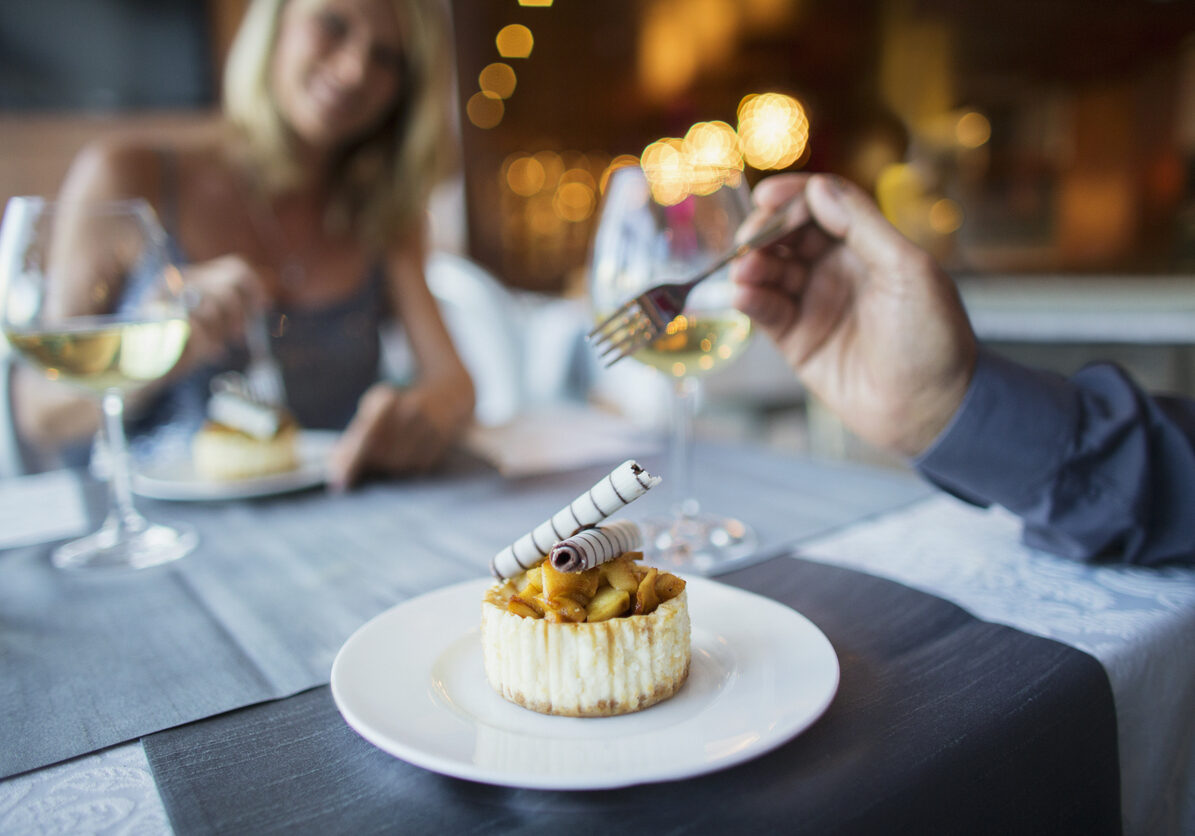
{"type": "Point", "coordinates": [220, 294]}
{"type": "Point", "coordinates": [867, 320]}
{"type": "Point", "coordinates": [397, 431]}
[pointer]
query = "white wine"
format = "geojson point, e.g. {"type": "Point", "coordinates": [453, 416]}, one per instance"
{"type": "Point", "coordinates": [697, 343]}
{"type": "Point", "coordinates": [101, 353]}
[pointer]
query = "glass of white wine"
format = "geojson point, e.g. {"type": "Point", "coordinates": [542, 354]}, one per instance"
{"type": "Point", "coordinates": [91, 300]}
{"type": "Point", "coordinates": [647, 236]}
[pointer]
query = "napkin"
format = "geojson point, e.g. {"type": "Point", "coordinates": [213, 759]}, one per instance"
{"type": "Point", "coordinates": [40, 508]}
{"type": "Point", "coordinates": [558, 437]}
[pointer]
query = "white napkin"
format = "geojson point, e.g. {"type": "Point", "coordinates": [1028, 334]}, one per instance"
{"type": "Point", "coordinates": [558, 437]}
{"type": "Point", "coordinates": [40, 508]}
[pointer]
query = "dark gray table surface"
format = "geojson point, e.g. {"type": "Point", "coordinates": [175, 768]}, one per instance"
{"type": "Point", "coordinates": [942, 724]}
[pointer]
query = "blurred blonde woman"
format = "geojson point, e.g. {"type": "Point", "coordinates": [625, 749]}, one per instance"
{"type": "Point", "coordinates": [307, 204]}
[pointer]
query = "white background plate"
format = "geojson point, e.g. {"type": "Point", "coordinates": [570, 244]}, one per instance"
{"type": "Point", "coordinates": [411, 681]}
{"type": "Point", "coordinates": [177, 479]}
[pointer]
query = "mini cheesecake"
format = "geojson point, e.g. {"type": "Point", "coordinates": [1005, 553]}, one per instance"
{"type": "Point", "coordinates": [222, 453]}
{"type": "Point", "coordinates": [588, 668]}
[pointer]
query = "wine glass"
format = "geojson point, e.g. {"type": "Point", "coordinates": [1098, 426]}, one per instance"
{"type": "Point", "coordinates": [646, 236]}
{"type": "Point", "coordinates": [92, 300]}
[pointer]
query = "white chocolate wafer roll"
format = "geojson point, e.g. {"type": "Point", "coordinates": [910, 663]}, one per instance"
{"type": "Point", "coordinates": [622, 486]}
{"type": "Point", "coordinates": [591, 547]}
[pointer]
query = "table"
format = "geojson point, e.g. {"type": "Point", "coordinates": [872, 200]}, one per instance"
{"type": "Point", "coordinates": [265, 749]}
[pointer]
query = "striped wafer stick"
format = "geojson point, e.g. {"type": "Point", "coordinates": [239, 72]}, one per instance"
{"type": "Point", "coordinates": [591, 547]}
{"type": "Point", "coordinates": [622, 486]}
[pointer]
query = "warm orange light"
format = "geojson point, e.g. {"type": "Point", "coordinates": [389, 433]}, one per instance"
{"type": "Point", "coordinates": [574, 201]}
{"type": "Point", "coordinates": [621, 161]}
{"type": "Point", "coordinates": [485, 110]}
{"type": "Point", "coordinates": [553, 167]}
{"type": "Point", "coordinates": [667, 170]}
{"type": "Point", "coordinates": [499, 79]}
{"type": "Point", "coordinates": [541, 216]}
{"type": "Point", "coordinates": [945, 216]}
{"type": "Point", "coordinates": [773, 130]}
{"type": "Point", "coordinates": [579, 175]}
{"type": "Point", "coordinates": [681, 39]}
{"type": "Point", "coordinates": [524, 175]}
{"type": "Point", "coordinates": [901, 195]}
{"type": "Point", "coordinates": [514, 41]}
{"type": "Point", "coordinates": [972, 130]}
{"type": "Point", "coordinates": [703, 162]}
{"type": "Point", "coordinates": [667, 52]}
{"type": "Point", "coordinates": [712, 154]}
{"type": "Point", "coordinates": [537, 3]}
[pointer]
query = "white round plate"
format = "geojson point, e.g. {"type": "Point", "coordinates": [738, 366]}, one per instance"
{"type": "Point", "coordinates": [411, 682]}
{"type": "Point", "coordinates": [176, 479]}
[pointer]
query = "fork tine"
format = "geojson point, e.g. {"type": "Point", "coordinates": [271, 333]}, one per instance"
{"type": "Point", "coordinates": [631, 341]}
{"type": "Point", "coordinates": [628, 326]}
{"type": "Point", "coordinates": [614, 322]}
{"type": "Point", "coordinates": [637, 342]}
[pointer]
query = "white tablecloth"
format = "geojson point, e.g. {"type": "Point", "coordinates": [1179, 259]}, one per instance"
{"type": "Point", "coordinates": [1137, 622]}
{"type": "Point", "coordinates": [110, 792]}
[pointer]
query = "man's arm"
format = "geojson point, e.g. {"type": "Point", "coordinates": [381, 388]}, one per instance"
{"type": "Point", "coordinates": [1095, 467]}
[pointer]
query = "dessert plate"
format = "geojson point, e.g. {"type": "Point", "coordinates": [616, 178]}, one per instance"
{"type": "Point", "coordinates": [411, 682]}
{"type": "Point", "coordinates": [176, 479]}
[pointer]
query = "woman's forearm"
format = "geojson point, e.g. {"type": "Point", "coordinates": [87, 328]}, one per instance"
{"type": "Point", "coordinates": [48, 415]}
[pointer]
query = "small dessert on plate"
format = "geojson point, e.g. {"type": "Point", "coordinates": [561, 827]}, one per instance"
{"type": "Point", "coordinates": [586, 630]}
{"type": "Point", "coordinates": [243, 439]}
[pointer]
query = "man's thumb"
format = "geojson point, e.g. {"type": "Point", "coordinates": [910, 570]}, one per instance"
{"type": "Point", "coordinates": [843, 210]}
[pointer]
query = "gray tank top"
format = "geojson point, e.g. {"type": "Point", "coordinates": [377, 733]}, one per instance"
{"type": "Point", "coordinates": [329, 356]}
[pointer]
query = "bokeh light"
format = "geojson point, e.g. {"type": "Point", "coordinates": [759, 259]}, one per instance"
{"type": "Point", "coordinates": [712, 153]}
{"type": "Point", "coordinates": [701, 163]}
{"type": "Point", "coordinates": [972, 129]}
{"type": "Point", "coordinates": [773, 130]}
{"type": "Point", "coordinates": [621, 161]}
{"type": "Point", "coordinates": [574, 200]}
{"type": "Point", "coordinates": [945, 216]}
{"type": "Point", "coordinates": [485, 110]}
{"type": "Point", "coordinates": [901, 195]}
{"type": "Point", "coordinates": [666, 169]}
{"type": "Point", "coordinates": [514, 41]}
{"type": "Point", "coordinates": [524, 174]}
{"type": "Point", "coordinates": [553, 167]}
{"type": "Point", "coordinates": [499, 79]}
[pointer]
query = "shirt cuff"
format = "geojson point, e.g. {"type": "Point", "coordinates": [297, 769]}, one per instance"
{"type": "Point", "coordinates": [1008, 437]}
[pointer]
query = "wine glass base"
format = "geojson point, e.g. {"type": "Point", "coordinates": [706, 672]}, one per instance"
{"type": "Point", "coordinates": [701, 543]}
{"type": "Point", "coordinates": [116, 549]}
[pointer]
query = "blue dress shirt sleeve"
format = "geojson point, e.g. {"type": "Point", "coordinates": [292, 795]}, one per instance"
{"type": "Point", "coordinates": [1095, 467]}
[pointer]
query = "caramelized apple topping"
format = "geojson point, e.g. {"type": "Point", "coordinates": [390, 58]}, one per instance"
{"type": "Point", "coordinates": [615, 589]}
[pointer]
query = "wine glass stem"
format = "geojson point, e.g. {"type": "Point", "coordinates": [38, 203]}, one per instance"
{"type": "Point", "coordinates": [121, 512]}
{"type": "Point", "coordinates": [684, 408]}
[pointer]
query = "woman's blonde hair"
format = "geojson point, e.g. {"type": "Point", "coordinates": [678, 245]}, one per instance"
{"type": "Point", "coordinates": [382, 182]}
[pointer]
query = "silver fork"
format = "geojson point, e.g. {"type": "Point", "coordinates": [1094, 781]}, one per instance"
{"type": "Point", "coordinates": [642, 320]}
{"type": "Point", "coordinates": [262, 376]}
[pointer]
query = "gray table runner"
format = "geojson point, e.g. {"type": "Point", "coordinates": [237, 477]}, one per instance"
{"type": "Point", "coordinates": [259, 611]}
{"type": "Point", "coordinates": [942, 724]}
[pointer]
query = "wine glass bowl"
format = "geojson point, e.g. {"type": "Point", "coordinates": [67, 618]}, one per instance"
{"type": "Point", "coordinates": [92, 301]}
{"type": "Point", "coordinates": [640, 242]}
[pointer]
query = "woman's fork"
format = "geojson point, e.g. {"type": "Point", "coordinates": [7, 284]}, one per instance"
{"type": "Point", "coordinates": [263, 377]}
{"type": "Point", "coordinates": [643, 319]}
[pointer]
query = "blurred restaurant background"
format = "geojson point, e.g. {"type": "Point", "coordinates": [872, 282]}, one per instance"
{"type": "Point", "coordinates": [1044, 151]}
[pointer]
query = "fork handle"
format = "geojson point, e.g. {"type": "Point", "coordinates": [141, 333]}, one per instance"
{"type": "Point", "coordinates": [775, 228]}
{"type": "Point", "coordinates": [257, 335]}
